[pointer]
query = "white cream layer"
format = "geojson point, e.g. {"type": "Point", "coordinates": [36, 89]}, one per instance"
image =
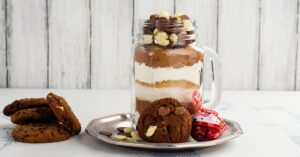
{"type": "Point", "coordinates": [152, 94]}
{"type": "Point", "coordinates": [151, 75]}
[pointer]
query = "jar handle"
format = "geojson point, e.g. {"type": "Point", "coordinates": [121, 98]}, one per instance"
{"type": "Point", "coordinates": [216, 78]}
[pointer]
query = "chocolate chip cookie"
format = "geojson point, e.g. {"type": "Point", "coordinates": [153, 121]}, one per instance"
{"type": "Point", "coordinates": [64, 113]}
{"type": "Point", "coordinates": [165, 121]}
{"type": "Point", "coordinates": [40, 133]}
{"type": "Point", "coordinates": [31, 115]}
{"type": "Point", "coordinates": [24, 104]}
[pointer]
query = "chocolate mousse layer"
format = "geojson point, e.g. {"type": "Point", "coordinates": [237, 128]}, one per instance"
{"type": "Point", "coordinates": [155, 56]}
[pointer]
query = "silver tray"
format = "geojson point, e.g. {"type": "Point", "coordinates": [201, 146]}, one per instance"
{"type": "Point", "coordinates": [111, 123]}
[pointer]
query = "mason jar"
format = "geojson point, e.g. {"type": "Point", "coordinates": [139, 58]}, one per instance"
{"type": "Point", "coordinates": [168, 63]}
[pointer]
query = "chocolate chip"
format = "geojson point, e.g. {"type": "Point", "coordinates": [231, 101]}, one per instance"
{"type": "Point", "coordinates": [124, 134]}
{"type": "Point", "coordinates": [190, 32]}
{"type": "Point", "coordinates": [150, 25]}
{"type": "Point", "coordinates": [187, 42]}
{"type": "Point", "coordinates": [105, 133]}
{"type": "Point", "coordinates": [147, 30]}
{"type": "Point", "coordinates": [162, 23]}
{"type": "Point", "coordinates": [121, 129]}
{"type": "Point", "coordinates": [180, 110]}
{"type": "Point", "coordinates": [153, 18]}
{"type": "Point", "coordinates": [163, 111]}
{"type": "Point", "coordinates": [180, 43]}
{"type": "Point", "coordinates": [184, 17]}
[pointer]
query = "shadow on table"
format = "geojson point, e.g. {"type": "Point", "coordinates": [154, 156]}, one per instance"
{"type": "Point", "coordinates": [102, 147]}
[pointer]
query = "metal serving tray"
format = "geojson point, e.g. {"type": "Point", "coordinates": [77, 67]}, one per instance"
{"type": "Point", "coordinates": [111, 123]}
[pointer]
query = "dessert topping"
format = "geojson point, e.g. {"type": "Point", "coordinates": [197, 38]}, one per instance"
{"type": "Point", "coordinates": [147, 39]}
{"type": "Point", "coordinates": [161, 38]}
{"type": "Point", "coordinates": [187, 25]}
{"type": "Point", "coordinates": [173, 37]}
{"type": "Point", "coordinates": [166, 30]}
{"type": "Point", "coordinates": [164, 14]}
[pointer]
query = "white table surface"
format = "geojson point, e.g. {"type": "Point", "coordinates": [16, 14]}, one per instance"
{"type": "Point", "coordinates": [270, 120]}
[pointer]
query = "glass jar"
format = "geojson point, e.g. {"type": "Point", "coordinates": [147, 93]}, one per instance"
{"type": "Point", "coordinates": [169, 64]}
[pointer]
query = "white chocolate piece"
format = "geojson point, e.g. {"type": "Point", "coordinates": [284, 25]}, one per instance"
{"type": "Point", "coordinates": [173, 37]}
{"type": "Point", "coordinates": [135, 135]}
{"type": "Point", "coordinates": [151, 130]}
{"type": "Point", "coordinates": [127, 130]}
{"type": "Point", "coordinates": [177, 16]}
{"type": "Point", "coordinates": [147, 39]}
{"type": "Point", "coordinates": [161, 35]}
{"type": "Point", "coordinates": [164, 14]}
{"type": "Point", "coordinates": [155, 31]}
{"type": "Point", "coordinates": [183, 33]}
{"type": "Point", "coordinates": [161, 38]}
{"type": "Point", "coordinates": [129, 139]}
{"type": "Point", "coordinates": [187, 25]}
{"type": "Point", "coordinates": [162, 42]}
{"type": "Point", "coordinates": [119, 137]}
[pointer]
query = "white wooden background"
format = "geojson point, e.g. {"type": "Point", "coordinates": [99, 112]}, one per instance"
{"type": "Point", "coordinates": [87, 43]}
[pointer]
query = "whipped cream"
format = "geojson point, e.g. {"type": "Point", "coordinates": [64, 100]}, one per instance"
{"type": "Point", "coordinates": [151, 75]}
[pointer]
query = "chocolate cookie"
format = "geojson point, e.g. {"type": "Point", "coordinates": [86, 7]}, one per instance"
{"type": "Point", "coordinates": [24, 104]}
{"type": "Point", "coordinates": [40, 133]}
{"type": "Point", "coordinates": [40, 114]}
{"type": "Point", "coordinates": [165, 121]}
{"type": "Point", "coordinates": [64, 113]}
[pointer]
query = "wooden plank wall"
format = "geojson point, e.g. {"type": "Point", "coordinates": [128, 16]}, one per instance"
{"type": "Point", "coordinates": [69, 43]}
{"type": "Point", "coordinates": [111, 34]}
{"type": "Point", "coordinates": [26, 43]}
{"type": "Point", "coordinates": [278, 44]}
{"type": "Point", "coordinates": [88, 43]}
{"type": "Point", "coordinates": [3, 67]}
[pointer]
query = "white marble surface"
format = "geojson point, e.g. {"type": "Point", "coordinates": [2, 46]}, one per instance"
{"type": "Point", "coordinates": [270, 120]}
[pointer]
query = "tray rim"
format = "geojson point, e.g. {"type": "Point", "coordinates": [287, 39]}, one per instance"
{"type": "Point", "coordinates": [162, 146]}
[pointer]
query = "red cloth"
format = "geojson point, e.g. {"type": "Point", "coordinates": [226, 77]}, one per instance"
{"type": "Point", "coordinates": [207, 125]}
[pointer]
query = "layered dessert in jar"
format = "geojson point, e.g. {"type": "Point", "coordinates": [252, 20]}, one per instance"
{"type": "Point", "coordinates": [167, 64]}
{"type": "Point", "coordinates": [168, 72]}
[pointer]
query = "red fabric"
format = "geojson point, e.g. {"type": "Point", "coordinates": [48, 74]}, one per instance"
{"type": "Point", "coordinates": [207, 125]}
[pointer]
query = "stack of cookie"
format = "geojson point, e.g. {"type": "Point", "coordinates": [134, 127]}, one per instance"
{"type": "Point", "coordinates": [41, 120]}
